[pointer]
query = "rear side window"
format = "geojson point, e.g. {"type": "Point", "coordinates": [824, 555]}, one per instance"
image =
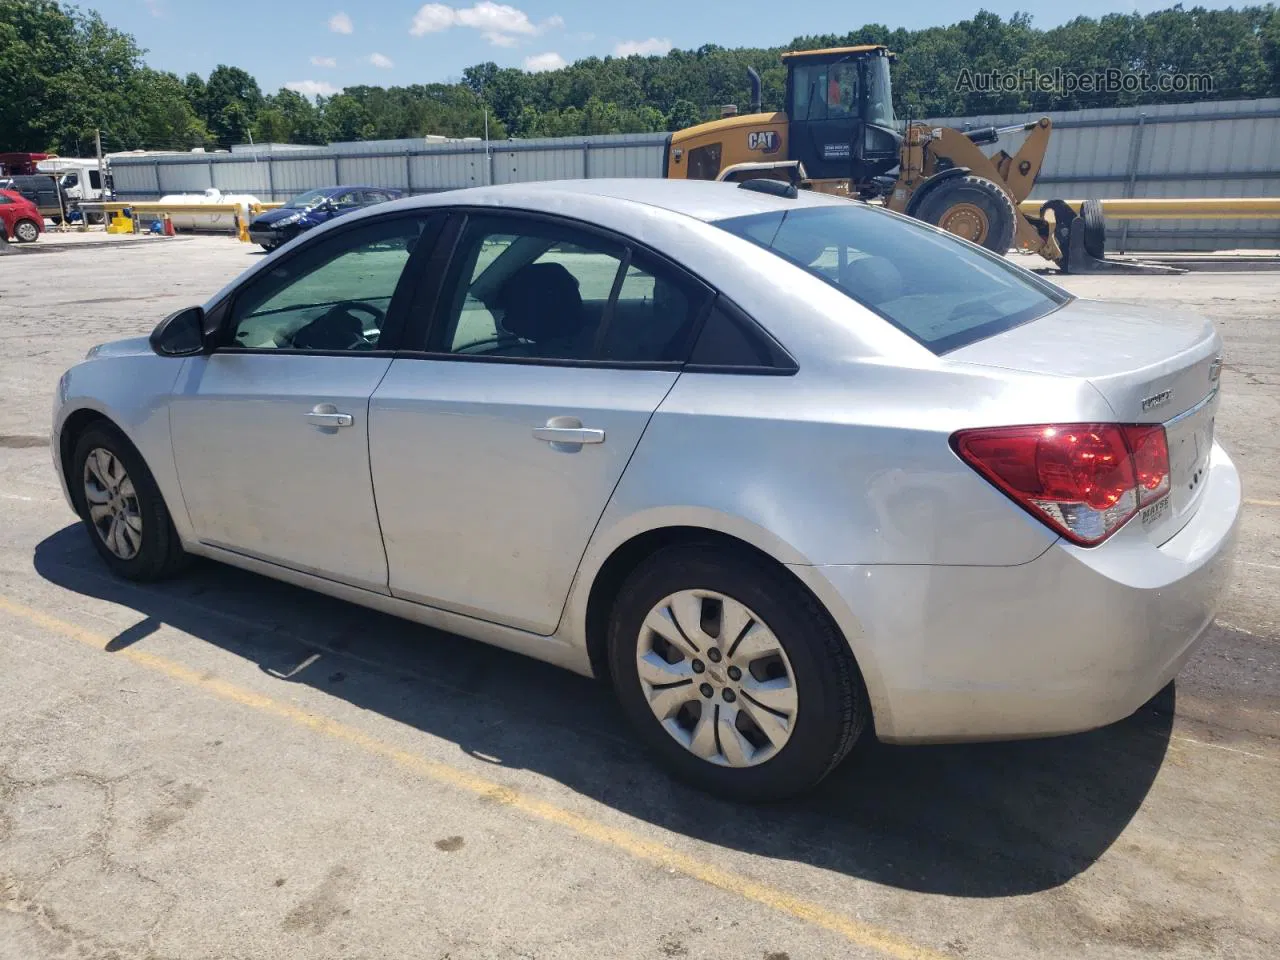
{"type": "Point", "coordinates": [939, 290]}
{"type": "Point", "coordinates": [730, 342]}
{"type": "Point", "coordinates": [538, 291]}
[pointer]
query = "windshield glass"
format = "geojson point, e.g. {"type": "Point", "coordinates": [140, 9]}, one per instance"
{"type": "Point", "coordinates": [308, 199]}
{"type": "Point", "coordinates": [879, 92]}
{"type": "Point", "coordinates": [941, 291]}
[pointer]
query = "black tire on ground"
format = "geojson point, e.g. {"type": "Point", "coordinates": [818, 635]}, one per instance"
{"type": "Point", "coordinates": [269, 246]}
{"type": "Point", "coordinates": [832, 701]}
{"type": "Point", "coordinates": [989, 200]}
{"type": "Point", "coordinates": [1095, 229]}
{"type": "Point", "coordinates": [160, 554]}
{"type": "Point", "coordinates": [26, 231]}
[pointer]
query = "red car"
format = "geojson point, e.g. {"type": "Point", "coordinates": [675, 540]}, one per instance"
{"type": "Point", "coordinates": [19, 217]}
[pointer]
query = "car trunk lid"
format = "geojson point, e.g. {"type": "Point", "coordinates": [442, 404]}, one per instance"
{"type": "Point", "coordinates": [1150, 366]}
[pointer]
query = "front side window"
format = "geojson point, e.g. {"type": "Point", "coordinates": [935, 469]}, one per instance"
{"type": "Point", "coordinates": [936, 288]}
{"type": "Point", "coordinates": [809, 92]}
{"type": "Point", "coordinates": [95, 179]}
{"type": "Point", "coordinates": [544, 291]}
{"type": "Point", "coordinates": [842, 90]}
{"type": "Point", "coordinates": [332, 295]}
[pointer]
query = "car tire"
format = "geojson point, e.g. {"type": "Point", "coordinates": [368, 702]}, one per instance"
{"type": "Point", "coordinates": [814, 668]}
{"type": "Point", "coordinates": [26, 231]}
{"type": "Point", "coordinates": [134, 534]}
{"type": "Point", "coordinates": [268, 247]}
{"type": "Point", "coordinates": [974, 208]}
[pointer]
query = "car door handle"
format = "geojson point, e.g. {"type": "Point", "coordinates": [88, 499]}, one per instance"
{"type": "Point", "coordinates": [576, 435]}
{"type": "Point", "coordinates": [326, 416]}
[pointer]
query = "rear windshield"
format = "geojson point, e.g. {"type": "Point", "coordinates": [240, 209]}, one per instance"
{"type": "Point", "coordinates": [941, 291]}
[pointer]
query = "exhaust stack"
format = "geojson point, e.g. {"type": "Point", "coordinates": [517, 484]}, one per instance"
{"type": "Point", "coordinates": [754, 77]}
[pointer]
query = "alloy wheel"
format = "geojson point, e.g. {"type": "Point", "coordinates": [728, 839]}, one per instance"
{"type": "Point", "coordinates": [27, 232]}
{"type": "Point", "coordinates": [716, 678]}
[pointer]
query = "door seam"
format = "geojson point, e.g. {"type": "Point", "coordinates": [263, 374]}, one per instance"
{"type": "Point", "coordinates": [373, 485]}
{"type": "Point", "coordinates": [577, 570]}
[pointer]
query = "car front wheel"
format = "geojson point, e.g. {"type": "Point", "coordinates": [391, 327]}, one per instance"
{"type": "Point", "coordinates": [26, 231]}
{"type": "Point", "coordinates": [121, 506]}
{"type": "Point", "coordinates": [732, 674]}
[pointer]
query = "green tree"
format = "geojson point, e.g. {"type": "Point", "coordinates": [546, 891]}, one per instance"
{"type": "Point", "coordinates": [231, 103]}
{"type": "Point", "coordinates": [683, 113]}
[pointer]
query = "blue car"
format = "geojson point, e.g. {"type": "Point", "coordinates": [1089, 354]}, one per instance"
{"type": "Point", "coordinates": [310, 209]}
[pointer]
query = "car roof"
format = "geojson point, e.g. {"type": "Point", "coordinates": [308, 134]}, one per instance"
{"type": "Point", "coordinates": [701, 199]}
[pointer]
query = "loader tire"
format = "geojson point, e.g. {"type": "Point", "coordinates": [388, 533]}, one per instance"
{"type": "Point", "coordinates": [1095, 229]}
{"type": "Point", "coordinates": [973, 208]}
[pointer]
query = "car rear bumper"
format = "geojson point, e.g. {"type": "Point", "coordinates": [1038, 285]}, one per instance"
{"type": "Point", "coordinates": [1073, 640]}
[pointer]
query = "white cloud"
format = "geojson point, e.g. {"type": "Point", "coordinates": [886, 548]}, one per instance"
{"type": "Point", "coordinates": [654, 46]}
{"type": "Point", "coordinates": [324, 62]}
{"type": "Point", "coordinates": [156, 8]}
{"type": "Point", "coordinates": [341, 23]}
{"type": "Point", "coordinates": [381, 61]}
{"type": "Point", "coordinates": [312, 88]}
{"type": "Point", "coordinates": [500, 24]}
{"type": "Point", "coordinates": [540, 62]}
{"type": "Point", "coordinates": [432, 18]}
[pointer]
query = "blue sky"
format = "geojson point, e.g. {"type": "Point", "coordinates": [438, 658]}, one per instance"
{"type": "Point", "coordinates": [319, 46]}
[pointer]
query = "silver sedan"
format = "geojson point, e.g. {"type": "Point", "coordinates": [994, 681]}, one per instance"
{"type": "Point", "coordinates": [780, 466]}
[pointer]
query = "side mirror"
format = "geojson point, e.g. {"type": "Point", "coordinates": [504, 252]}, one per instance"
{"type": "Point", "coordinates": [180, 334]}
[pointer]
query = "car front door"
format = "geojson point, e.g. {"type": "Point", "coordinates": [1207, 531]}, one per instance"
{"type": "Point", "coordinates": [270, 430]}
{"type": "Point", "coordinates": [495, 450]}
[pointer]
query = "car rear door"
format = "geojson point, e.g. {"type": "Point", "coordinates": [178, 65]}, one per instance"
{"type": "Point", "coordinates": [270, 430]}
{"type": "Point", "coordinates": [496, 445]}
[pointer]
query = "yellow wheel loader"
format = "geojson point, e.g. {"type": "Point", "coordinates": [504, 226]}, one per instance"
{"type": "Point", "coordinates": [838, 134]}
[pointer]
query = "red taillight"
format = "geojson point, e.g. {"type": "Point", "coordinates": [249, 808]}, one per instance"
{"type": "Point", "coordinates": [1083, 479]}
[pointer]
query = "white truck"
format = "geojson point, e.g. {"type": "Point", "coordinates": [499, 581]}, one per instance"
{"type": "Point", "coordinates": [80, 180]}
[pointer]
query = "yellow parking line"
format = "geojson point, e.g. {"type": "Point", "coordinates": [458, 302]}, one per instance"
{"type": "Point", "coordinates": [855, 931]}
{"type": "Point", "coordinates": [1262, 503]}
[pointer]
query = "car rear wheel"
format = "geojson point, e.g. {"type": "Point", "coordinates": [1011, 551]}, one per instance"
{"type": "Point", "coordinates": [121, 506]}
{"type": "Point", "coordinates": [27, 231]}
{"type": "Point", "coordinates": [731, 672]}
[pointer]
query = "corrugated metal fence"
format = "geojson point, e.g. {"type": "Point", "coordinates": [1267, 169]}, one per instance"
{"type": "Point", "coordinates": [416, 166]}
{"type": "Point", "coordinates": [1217, 149]}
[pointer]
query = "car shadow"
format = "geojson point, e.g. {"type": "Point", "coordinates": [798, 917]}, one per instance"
{"type": "Point", "coordinates": [979, 820]}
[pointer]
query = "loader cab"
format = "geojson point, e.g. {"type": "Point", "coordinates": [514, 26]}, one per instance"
{"type": "Point", "coordinates": [840, 112]}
